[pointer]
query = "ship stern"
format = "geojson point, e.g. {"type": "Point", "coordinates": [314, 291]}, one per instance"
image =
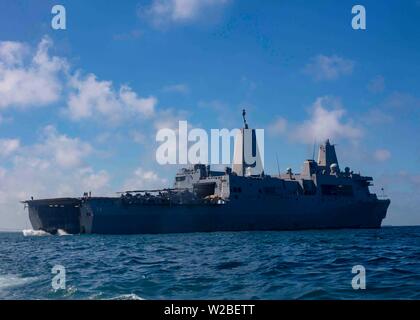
{"type": "Point", "coordinates": [51, 215]}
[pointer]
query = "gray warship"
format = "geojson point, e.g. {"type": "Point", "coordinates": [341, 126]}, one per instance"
{"type": "Point", "coordinates": [321, 196]}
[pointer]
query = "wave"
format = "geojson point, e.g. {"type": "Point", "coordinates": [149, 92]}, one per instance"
{"type": "Point", "coordinates": [41, 233]}
{"type": "Point", "coordinates": [35, 233]}
{"type": "Point", "coordinates": [316, 293]}
{"type": "Point", "coordinates": [229, 265]}
{"type": "Point", "coordinates": [130, 296]}
{"type": "Point", "coordinates": [11, 280]}
{"type": "Point", "coordinates": [61, 232]}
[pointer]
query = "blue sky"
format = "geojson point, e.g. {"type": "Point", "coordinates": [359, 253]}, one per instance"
{"type": "Point", "coordinates": [79, 108]}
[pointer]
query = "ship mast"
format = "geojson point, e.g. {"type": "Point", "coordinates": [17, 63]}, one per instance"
{"type": "Point", "coordinates": [246, 141]}
{"type": "Point", "coordinates": [243, 116]}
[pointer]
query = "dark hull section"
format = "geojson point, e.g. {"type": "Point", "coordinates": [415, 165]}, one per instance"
{"type": "Point", "coordinates": [50, 215]}
{"type": "Point", "coordinates": [112, 216]}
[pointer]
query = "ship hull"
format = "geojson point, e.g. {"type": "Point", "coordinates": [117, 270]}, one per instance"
{"type": "Point", "coordinates": [51, 215]}
{"type": "Point", "coordinates": [112, 216]}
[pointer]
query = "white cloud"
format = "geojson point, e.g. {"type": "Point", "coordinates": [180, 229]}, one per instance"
{"type": "Point", "coordinates": [66, 152]}
{"type": "Point", "coordinates": [324, 67]}
{"type": "Point", "coordinates": [34, 78]}
{"type": "Point", "coordinates": [177, 88]}
{"type": "Point", "coordinates": [227, 115]}
{"type": "Point", "coordinates": [29, 82]}
{"type": "Point", "coordinates": [8, 146]}
{"type": "Point", "coordinates": [382, 155]}
{"type": "Point", "coordinates": [2, 172]}
{"type": "Point", "coordinates": [142, 178]}
{"type": "Point", "coordinates": [279, 126]}
{"type": "Point", "coordinates": [32, 176]}
{"type": "Point", "coordinates": [138, 137]}
{"type": "Point", "coordinates": [12, 53]}
{"type": "Point", "coordinates": [403, 188]}
{"type": "Point", "coordinates": [92, 97]}
{"type": "Point", "coordinates": [91, 180]}
{"type": "Point", "coordinates": [162, 12]}
{"type": "Point", "coordinates": [326, 122]}
{"type": "Point", "coordinates": [56, 166]}
{"type": "Point", "coordinates": [377, 84]}
{"type": "Point", "coordinates": [143, 106]}
{"type": "Point", "coordinates": [169, 119]}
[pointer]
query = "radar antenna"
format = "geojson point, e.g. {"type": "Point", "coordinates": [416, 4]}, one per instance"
{"type": "Point", "coordinates": [243, 116]}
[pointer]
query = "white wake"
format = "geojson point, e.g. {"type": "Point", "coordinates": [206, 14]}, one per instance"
{"type": "Point", "coordinates": [10, 280]}
{"type": "Point", "coordinates": [35, 233]}
{"type": "Point", "coordinates": [41, 233]}
{"type": "Point", "coordinates": [130, 296]}
{"type": "Point", "coordinates": [61, 232]}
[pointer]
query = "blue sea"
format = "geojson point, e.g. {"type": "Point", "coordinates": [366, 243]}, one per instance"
{"type": "Point", "coordinates": [243, 265]}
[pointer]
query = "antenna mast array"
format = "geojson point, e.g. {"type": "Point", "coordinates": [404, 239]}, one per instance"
{"type": "Point", "coordinates": [243, 116]}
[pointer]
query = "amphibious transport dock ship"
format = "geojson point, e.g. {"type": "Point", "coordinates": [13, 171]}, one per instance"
{"type": "Point", "coordinates": [322, 196]}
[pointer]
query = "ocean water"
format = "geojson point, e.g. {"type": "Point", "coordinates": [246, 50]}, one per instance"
{"type": "Point", "coordinates": [243, 265]}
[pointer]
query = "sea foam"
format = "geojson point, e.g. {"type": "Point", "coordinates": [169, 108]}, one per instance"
{"type": "Point", "coordinates": [41, 233]}
{"type": "Point", "coordinates": [11, 280]}
{"type": "Point", "coordinates": [61, 232]}
{"type": "Point", "coordinates": [35, 233]}
{"type": "Point", "coordinates": [130, 296]}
